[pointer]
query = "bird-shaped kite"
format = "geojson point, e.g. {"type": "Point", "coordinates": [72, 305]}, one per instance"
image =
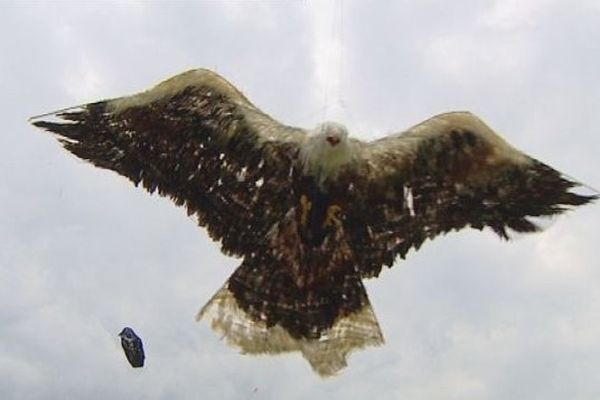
{"type": "Point", "coordinates": [310, 212]}
{"type": "Point", "coordinates": [133, 347]}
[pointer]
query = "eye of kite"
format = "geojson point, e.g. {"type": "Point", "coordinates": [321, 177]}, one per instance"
{"type": "Point", "coordinates": [333, 140]}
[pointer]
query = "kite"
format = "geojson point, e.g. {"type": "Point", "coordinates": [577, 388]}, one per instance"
{"type": "Point", "coordinates": [133, 347]}
{"type": "Point", "coordinates": [311, 213]}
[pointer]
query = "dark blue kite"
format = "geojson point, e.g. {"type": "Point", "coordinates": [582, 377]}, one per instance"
{"type": "Point", "coordinates": [133, 347]}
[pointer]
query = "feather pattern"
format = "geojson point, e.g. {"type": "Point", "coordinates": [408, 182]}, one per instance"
{"type": "Point", "coordinates": [197, 140]}
{"type": "Point", "coordinates": [447, 173]}
{"type": "Point", "coordinates": [310, 215]}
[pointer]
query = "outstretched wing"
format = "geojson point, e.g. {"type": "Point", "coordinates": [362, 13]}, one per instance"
{"type": "Point", "coordinates": [196, 139]}
{"type": "Point", "coordinates": [449, 172]}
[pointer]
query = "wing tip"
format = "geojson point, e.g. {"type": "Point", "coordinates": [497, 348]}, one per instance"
{"type": "Point", "coordinates": [57, 113]}
{"type": "Point", "coordinates": [585, 193]}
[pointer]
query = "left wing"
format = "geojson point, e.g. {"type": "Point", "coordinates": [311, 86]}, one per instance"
{"type": "Point", "coordinates": [198, 140]}
{"type": "Point", "coordinates": [447, 173]}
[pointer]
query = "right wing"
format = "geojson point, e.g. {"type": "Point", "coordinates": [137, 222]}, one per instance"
{"type": "Point", "coordinates": [447, 173]}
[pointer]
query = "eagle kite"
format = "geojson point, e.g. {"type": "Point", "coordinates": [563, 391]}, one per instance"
{"type": "Point", "coordinates": [310, 213]}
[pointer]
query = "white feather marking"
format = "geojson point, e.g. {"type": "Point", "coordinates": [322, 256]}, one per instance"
{"type": "Point", "coordinates": [409, 200]}
{"type": "Point", "coordinates": [241, 175]}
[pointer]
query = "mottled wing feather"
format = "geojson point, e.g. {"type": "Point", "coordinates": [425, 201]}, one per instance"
{"type": "Point", "coordinates": [447, 173]}
{"type": "Point", "coordinates": [198, 140]}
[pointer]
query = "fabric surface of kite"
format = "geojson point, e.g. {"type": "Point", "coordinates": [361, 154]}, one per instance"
{"type": "Point", "coordinates": [311, 213]}
{"type": "Point", "coordinates": [133, 347]}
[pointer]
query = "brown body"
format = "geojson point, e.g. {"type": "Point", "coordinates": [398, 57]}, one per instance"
{"type": "Point", "coordinates": [310, 213]}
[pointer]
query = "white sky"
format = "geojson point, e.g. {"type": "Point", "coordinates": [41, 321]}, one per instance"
{"type": "Point", "coordinates": [84, 253]}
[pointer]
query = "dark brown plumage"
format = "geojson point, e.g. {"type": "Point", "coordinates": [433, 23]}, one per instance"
{"type": "Point", "coordinates": [310, 215]}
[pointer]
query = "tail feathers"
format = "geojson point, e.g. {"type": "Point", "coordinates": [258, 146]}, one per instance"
{"type": "Point", "coordinates": [326, 355]}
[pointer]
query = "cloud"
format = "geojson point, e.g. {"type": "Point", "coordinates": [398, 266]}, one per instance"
{"type": "Point", "coordinates": [83, 253]}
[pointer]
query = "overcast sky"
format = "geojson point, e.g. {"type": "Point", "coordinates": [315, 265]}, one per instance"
{"type": "Point", "coordinates": [84, 253]}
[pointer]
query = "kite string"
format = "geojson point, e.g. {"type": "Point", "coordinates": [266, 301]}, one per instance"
{"type": "Point", "coordinates": [333, 83]}
{"type": "Point", "coordinates": [62, 110]}
{"type": "Point", "coordinates": [328, 70]}
{"type": "Point", "coordinates": [340, 81]}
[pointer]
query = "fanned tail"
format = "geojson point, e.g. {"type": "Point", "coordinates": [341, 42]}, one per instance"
{"type": "Point", "coordinates": [326, 354]}
{"type": "Point", "coordinates": [289, 295]}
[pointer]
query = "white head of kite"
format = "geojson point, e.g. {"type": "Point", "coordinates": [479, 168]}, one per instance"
{"type": "Point", "coordinates": [326, 150]}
